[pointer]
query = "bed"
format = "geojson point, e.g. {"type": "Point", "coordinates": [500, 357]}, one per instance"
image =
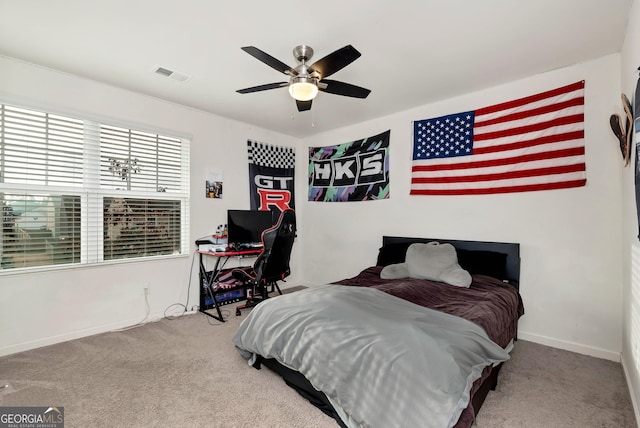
{"type": "Point", "coordinates": [374, 351]}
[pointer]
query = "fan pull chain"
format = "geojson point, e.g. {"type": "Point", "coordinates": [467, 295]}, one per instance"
{"type": "Point", "coordinates": [313, 117]}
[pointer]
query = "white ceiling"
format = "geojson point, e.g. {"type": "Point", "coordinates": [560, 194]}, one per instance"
{"type": "Point", "coordinates": [414, 52]}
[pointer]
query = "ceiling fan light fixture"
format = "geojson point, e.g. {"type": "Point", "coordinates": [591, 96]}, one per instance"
{"type": "Point", "coordinates": [303, 89]}
{"type": "Point", "coordinates": [304, 81]}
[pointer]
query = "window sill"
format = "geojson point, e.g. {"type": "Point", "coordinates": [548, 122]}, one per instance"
{"type": "Point", "coordinates": [78, 266]}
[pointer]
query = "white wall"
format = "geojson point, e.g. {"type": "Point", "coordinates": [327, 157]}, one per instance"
{"type": "Point", "coordinates": [41, 308]}
{"type": "Point", "coordinates": [570, 239]}
{"type": "Point", "coordinates": [629, 63]}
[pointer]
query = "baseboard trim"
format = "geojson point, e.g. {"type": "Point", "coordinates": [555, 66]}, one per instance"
{"type": "Point", "coordinates": [632, 394]}
{"type": "Point", "coordinates": [78, 334]}
{"type": "Point", "coordinates": [570, 346]}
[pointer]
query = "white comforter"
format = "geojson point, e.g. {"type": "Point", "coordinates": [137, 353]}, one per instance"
{"type": "Point", "coordinates": [381, 361]}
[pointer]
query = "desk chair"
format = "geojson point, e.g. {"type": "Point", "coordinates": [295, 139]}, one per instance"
{"type": "Point", "coordinates": [272, 264]}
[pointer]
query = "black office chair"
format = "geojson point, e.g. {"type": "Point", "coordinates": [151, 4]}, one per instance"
{"type": "Point", "coordinates": [272, 265]}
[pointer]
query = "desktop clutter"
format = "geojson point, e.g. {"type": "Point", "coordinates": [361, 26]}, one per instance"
{"type": "Point", "coordinates": [264, 235]}
{"type": "Point", "coordinates": [243, 232]}
{"type": "Point", "coordinates": [218, 242]}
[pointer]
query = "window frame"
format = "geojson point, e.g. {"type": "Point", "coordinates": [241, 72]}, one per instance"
{"type": "Point", "coordinates": [92, 194]}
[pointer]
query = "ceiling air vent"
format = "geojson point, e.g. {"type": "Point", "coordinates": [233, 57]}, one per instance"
{"type": "Point", "coordinates": [176, 75]}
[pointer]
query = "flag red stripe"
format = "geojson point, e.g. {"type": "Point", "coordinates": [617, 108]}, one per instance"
{"type": "Point", "coordinates": [495, 190]}
{"type": "Point", "coordinates": [566, 120]}
{"type": "Point", "coordinates": [578, 101]}
{"type": "Point", "coordinates": [506, 133]}
{"type": "Point", "coordinates": [530, 99]}
{"type": "Point", "coordinates": [535, 172]}
{"type": "Point", "coordinates": [549, 139]}
{"type": "Point", "coordinates": [575, 151]}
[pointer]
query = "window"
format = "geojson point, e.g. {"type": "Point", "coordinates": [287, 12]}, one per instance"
{"type": "Point", "coordinates": [140, 226]}
{"type": "Point", "coordinates": [79, 191]}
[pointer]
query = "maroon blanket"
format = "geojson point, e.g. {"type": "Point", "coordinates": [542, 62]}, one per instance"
{"type": "Point", "coordinates": [490, 303]}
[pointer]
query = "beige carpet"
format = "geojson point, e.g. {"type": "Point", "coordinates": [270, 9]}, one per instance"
{"type": "Point", "coordinates": [186, 373]}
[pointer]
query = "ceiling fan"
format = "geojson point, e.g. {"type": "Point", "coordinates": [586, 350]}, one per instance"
{"type": "Point", "coordinates": [306, 80]}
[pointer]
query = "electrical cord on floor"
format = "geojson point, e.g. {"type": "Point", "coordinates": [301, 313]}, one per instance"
{"type": "Point", "coordinates": [185, 307]}
{"type": "Point", "coordinates": [174, 317]}
{"type": "Point", "coordinates": [144, 320]}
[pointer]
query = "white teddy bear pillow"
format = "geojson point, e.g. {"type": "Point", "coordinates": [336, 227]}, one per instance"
{"type": "Point", "coordinates": [433, 261]}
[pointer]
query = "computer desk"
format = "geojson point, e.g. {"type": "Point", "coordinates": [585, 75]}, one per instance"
{"type": "Point", "coordinates": [208, 278]}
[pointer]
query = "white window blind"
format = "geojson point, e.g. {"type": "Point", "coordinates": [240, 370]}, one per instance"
{"type": "Point", "coordinates": [78, 191]}
{"type": "Point", "coordinates": [41, 149]}
{"type": "Point", "coordinates": [141, 226]}
{"type": "Point", "coordinates": [139, 161]}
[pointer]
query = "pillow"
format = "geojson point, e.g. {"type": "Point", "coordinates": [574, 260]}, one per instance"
{"type": "Point", "coordinates": [490, 263]}
{"type": "Point", "coordinates": [395, 271]}
{"type": "Point", "coordinates": [392, 254]}
{"type": "Point", "coordinates": [437, 262]}
{"type": "Point", "coordinates": [433, 261]}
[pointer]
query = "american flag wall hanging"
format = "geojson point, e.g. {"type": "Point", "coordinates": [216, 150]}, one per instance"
{"type": "Point", "coordinates": [528, 144]}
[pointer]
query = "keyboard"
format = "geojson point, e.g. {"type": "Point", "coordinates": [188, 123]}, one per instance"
{"type": "Point", "coordinates": [252, 245]}
{"type": "Point", "coordinates": [248, 246]}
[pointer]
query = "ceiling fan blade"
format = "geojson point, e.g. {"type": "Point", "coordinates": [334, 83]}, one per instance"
{"type": "Point", "coordinates": [263, 87]}
{"type": "Point", "coordinates": [269, 60]}
{"type": "Point", "coordinates": [303, 105]}
{"type": "Point", "coordinates": [345, 89]}
{"type": "Point", "coordinates": [335, 61]}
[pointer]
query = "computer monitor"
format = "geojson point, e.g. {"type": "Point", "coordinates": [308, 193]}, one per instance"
{"type": "Point", "coordinates": [246, 226]}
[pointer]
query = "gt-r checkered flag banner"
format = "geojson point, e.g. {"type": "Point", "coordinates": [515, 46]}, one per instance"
{"type": "Point", "coordinates": [271, 176]}
{"type": "Point", "coordinates": [357, 171]}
